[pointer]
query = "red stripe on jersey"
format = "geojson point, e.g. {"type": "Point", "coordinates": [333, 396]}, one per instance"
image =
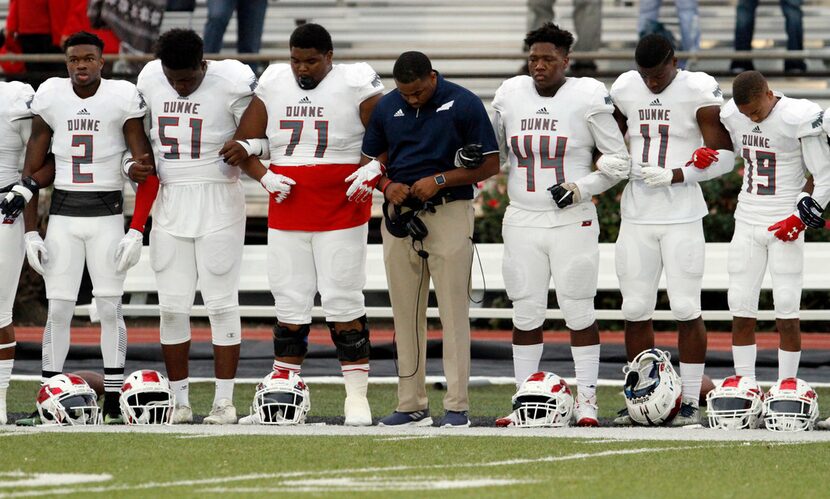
{"type": "Point", "coordinates": [317, 201]}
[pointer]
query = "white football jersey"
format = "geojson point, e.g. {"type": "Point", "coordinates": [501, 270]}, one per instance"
{"type": "Point", "coordinates": [663, 131]}
{"type": "Point", "coordinates": [200, 193]}
{"type": "Point", "coordinates": [319, 126]}
{"type": "Point", "coordinates": [15, 125]}
{"type": "Point", "coordinates": [88, 138]}
{"type": "Point", "coordinates": [188, 132]}
{"type": "Point", "coordinates": [549, 142]}
{"type": "Point", "coordinates": [774, 169]}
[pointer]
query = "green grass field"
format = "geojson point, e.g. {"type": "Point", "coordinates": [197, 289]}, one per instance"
{"type": "Point", "coordinates": [438, 463]}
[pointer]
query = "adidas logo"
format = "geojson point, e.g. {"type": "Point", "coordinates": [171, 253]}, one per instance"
{"type": "Point", "coordinates": [544, 110]}
{"type": "Point", "coordinates": [655, 102]}
{"type": "Point", "coordinates": [305, 100]}
{"type": "Point", "coordinates": [83, 112]}
{"type": "Point", "coordinates": [398, 114]}
{"type": "Point", "coordinates": [757, 129]}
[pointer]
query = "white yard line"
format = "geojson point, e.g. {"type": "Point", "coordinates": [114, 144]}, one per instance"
{"type": "Point", "coordinates": [335, 472]}
{"type": "Point", "coordinates": [614, 433]}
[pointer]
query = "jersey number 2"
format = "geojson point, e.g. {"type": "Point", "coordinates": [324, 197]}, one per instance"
{"type": "Point", "coordinates": [528, 158]}
{"type": "Point", "coordinates": [84, 141]}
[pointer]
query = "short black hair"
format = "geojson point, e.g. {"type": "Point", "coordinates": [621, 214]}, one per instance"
{"type": "Point", "coordinates": [180, 49]}
{"type": "Point", "coordinates": [747, 86]}
{"type": "Point", "coordinates": [311, 36]}
{"type": "Point", "coordinates": [411, 66]}
{"type": "Point", "coordinates": [653, 50]}
{"type": "Point", "coordinates": [551, 33]}
{"type": "Point", "coordinates": [83, 38]}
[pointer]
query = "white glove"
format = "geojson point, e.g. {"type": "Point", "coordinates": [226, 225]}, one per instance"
{"type": "Point", "coordinates": [277, 184]}
{"type": "Point", "coordinates": [35, 251]}
{"type": "Point", "coordinates": [615, 165]}
{"type": "Point", "coordinates": [129, 250]}
{"type": "Point", "coordinates": [364, 180]}
{"type": "Point", "coordinates": [654, 176]}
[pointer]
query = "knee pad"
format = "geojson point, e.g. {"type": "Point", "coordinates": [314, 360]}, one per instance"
{"type": "Point", "coordinates": [787, 302]}
{"type": "Point", "coordinates": [174, 328]}
{"type": "Point", "coordinates": [109, 308]}
{"type": "Point", "coordinates": [685, 308]}
{"type": "Point", "coordinates": [60, 312]}
{"type": "Point", "coordinates": [529, 314]}
{"type": "Point", "coordinates": [5, 318]}
{"type": "Point", "coordinates": [288, 343]}
{"type": "Point", "coordinates": [743, 302]}
{"type": "Point", "coordinates": [352, 345]}
{"type": "Point", "coordinates": [225, 327]}
{"type": "Point", "coordinates": [637, 309]}
{"type": "Point", "coordinates": [579, 314]}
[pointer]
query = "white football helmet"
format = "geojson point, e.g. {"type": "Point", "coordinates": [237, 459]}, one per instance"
{"type": "Point", "coordinates": [66, 399]}
{"type": "Point", "coordinates": [790, 405]}
{"type": "Point", "coordinates": [652, 388]}
{"type": "Point", "coordinates": [544, 399]}
{"type": "Point", "coordinates": [146, 398]}
{"type": "Point", "coordinates": [735, 404]}
{"type": "Point", "coordinates": [282, 398]}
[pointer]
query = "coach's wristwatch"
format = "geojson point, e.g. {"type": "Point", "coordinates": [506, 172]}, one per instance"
{"type": "Point", "coordinates": [440, 180]}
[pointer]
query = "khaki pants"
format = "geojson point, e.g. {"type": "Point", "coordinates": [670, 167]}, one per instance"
{"type": "Point", "coordinates": [450, 249]}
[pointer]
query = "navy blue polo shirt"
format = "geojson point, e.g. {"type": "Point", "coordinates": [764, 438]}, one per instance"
{"type": "Point", "coordinates": [422, 142]}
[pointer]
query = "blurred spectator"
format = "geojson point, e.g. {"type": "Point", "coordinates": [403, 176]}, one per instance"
{"type": "Point", "coordinates": [74, 15]}
{"type": "Point", "coordinates": [687, 15]}
{"type": "Point", "coordinates": [250, 18]}
{"type": "Point", "coordinates": [29, 25]}
{"type": "Point", "coordinates": [745, 27]}
{"type": "Point", "coordinates": [587, 17]}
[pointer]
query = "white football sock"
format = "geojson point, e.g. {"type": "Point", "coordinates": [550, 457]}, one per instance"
{"type": "Point", "coordinates": [691, 377]}
{"type": "Point", "coordinates": [55, 344]}
{"type": "Point", "coordinates": [788, 364]}
{"type": "Point", "coordinates": [224, 390]}
{"type": "Point", "coordinates": [586, 366]}
{"type": "Point", "coordinates": [744, 358]}
{"type": "Point", "coordinates": [356, 379]}
{"type": "Point", "coordinates": [5, 373]}
{"type": "Point", "coordinates": [181, 390]}
{"type": "Point", "coordinates": [285, 366]}
{"type": "Point", "coordinates": [526, 360]}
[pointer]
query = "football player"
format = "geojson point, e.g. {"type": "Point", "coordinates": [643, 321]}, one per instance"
{"type": "Point", "coordinates": [199, 216]}
{"type": "Point", "coordinates": [15, 127]}
{"type": "Point", "coordinates": [550, 126]}
{"type": "Point", "coordinates": [91, 123]}
{"type": "Point", "coordinates": [670, 115]}
{"type": "Point", "coordinates": [314, 113]}
{"type": "Point", "coordinates": [777, 137]}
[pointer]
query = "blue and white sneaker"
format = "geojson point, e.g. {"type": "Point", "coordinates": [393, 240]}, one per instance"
{"type": "Point", "coordinates": [689, 414]}
{"type": "Point", "coordinates": [455, 419]}
{"type": "Point", "coordinates": [414, 418]}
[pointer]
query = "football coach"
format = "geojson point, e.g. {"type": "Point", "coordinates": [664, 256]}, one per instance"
{"type": "Point", "coordinates": [437, 141]}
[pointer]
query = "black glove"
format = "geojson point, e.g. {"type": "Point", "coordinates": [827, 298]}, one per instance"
{"type": "Point", "coordinates": [810, 212]}
{"type": "Point", "coordinates": [469, 156]}
{"type": "Point", "coordinates": [13, 203]}
{"type": "Point", "coordinates": [561, 196]}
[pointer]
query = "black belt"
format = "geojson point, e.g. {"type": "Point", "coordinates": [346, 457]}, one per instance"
{"type": "Point", "coordinates": [436, 200]}
{"type": "Point", "coordinates": [86, 203]}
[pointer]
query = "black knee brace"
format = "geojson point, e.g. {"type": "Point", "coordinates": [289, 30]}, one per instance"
{"type": "Point", "coordinates": [352, 344]}
{"type": "Point", "coordinates": [288, 343]}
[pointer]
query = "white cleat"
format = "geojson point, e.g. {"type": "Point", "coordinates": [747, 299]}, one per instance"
{"type": "Point", "coordinates": [251, 419]}
{"type": "Point", "coordinates": [689, 414]}
{"type": "Point", "coordinates": [223, 412]}
{"type": "Point", "coordinates": [357, 411]}
{"type": "Point", "coordinates": [509, 420]}
{"type": "Point", "coordinates": [823, 424]}
{"type": "Point", "coordinates": [585, 412]}
{"type": "Point", "coordinates": [182, 414]}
